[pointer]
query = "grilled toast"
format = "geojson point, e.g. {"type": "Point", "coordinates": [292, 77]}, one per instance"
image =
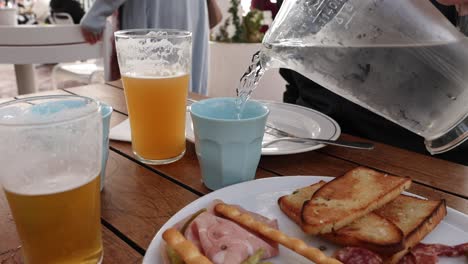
{"type": "Point", "coordinates": [292, 204]}
{"type": "Point", "coordinates": [348, 198]}
{"type": "Point", "coordinates": [415, 217]}
{"type": "Point", "coordinates": [371, 231]}
{"type": "Point", "coordinates": [389, 231]}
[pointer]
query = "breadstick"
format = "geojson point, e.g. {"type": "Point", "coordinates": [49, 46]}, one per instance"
{"type": "Point", "coordinates": [186, 249]}
{"type": "Point", "coordinates": [292, 243]}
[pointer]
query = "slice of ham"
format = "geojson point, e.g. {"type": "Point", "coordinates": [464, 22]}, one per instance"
{"type": "Point", "coordinates": [224, 241]}
{"type": "Point", "coordinates": [356, 255]}
{"type": "Point", "coordinates": [428, 253]}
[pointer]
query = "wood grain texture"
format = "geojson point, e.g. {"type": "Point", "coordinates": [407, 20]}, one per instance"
{"type": "Point", "coordinates": [3, 100]}
{"type": "Point", "coordinates": [453, 201]}
{"type": "Point", "coordinates": [312, 163]}
{"type": "Point", "coordinates": [116, 250]}
{"type": "Point", "coordinates": [185, 171]}
{"type": "Point", "coordinates": [137, 201]}
{"type": "Point", "coordinates": [117, 84]}
{"type": "Point", "coordinates": [444, 175]}
{"type": "Point", "coordinates": [117, 118]}
{"type": "Point", "coordinates": [309, 163]}
{"type": "Point", "coordinates": [318, 165]}
{"type": "Point", "coordinates": [44, 93]}
{"type": "Point", "coordinates": [105, 93]}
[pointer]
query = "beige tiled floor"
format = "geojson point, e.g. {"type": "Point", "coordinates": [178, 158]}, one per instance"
{"type": "Point", "coordinates": [43, 75]}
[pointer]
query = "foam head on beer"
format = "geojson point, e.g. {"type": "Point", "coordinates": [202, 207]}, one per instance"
{"type": "Point", "coordinates": [154, 54]}
{"type": "Point", "coordinates": [39, 145]}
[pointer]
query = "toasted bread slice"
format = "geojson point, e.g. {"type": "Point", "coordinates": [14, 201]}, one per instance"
{"type": "Point", "coordinates": [392, 229]}
{"type": "Point", "coordinates": [292, 204]}
{"type": "Point", "coordinates": [371, 231]}
{"type": "Point", "coordinates": [415, 217]}
{"type": "Point", "coordinates": [349, 197]}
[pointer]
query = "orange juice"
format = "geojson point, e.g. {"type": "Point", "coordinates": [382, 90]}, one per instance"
{"type": "Point", "coordinates": [156, 107]}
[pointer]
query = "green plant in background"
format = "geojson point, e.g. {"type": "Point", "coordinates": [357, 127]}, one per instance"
{"type": "Point", "coordinates": [246, 29]}
{"type": "Point", "coordinates": [252, 24]}
{"type": "Point", "coordinates": [236, 20]}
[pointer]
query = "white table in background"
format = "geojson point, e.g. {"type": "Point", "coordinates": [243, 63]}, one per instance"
{"type": "Point", "coordinates": [39, 44]}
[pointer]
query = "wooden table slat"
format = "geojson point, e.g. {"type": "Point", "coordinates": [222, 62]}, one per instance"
{"type": "Point", "coordinates": [44, 93]}
{"type": "Point", "coordinates": [137, 202]}
{"type": "Point", "coordinates": [104, 93]}
{"type": "Point", "coordinates": [312, 163]}
{"type": "Point", "coordinates": [3, 100]}
{"type": "Point", "coordinates": [117, 84]}
{"type": "Point", "coordinates": [185, 171]}
{"type": "Point", "coordinates": [444, 175]}
{"type": "Point", "coordinates": [384, 157]}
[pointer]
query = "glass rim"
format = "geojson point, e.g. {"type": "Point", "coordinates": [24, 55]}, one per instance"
{"type": "Point", "coordinates": [50, 122]}
{"type": "Point", "coordinates": [225, 120]}
{"type": "Point", "coordinates": [172, 33]}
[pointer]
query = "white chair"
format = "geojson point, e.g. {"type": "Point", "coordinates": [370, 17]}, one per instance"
{"type": "Point", "coordinates": [60, 18]}
{"type": "Point", "coordinates": [87, 71]}
{"type": "Point", "coordinates": [37, 44]}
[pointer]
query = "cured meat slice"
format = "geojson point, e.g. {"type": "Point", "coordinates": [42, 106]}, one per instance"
{"type": "Point", "coordinates": [356, 255]}
{"type": "Point", "coordinates": [224, 241]}
{"type": "Point", "coordinates": [428, 253]}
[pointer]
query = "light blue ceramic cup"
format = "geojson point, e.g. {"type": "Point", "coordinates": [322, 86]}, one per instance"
{"type": "Point", "coordinates": [106, 112]}
{"type": "Point", "coordinates": [228, 148]}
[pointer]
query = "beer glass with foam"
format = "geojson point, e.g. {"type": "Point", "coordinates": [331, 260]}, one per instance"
{"type": "Point", "coordinates": [155, 68]}
{"type": "Point", "coordinates": [51, 161]}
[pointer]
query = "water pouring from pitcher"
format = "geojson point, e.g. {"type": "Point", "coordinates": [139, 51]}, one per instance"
{"type": "Point", "coordinates": [400, 59]}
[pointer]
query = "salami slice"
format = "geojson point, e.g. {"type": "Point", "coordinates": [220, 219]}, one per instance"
{"type": "Point", "coordinates": [408, 259]}
{"type": "Point", "coordinates": [462, 249]}
{"type": "Point", "coordinates": [355, 255]}
{"type": "Point", "coordinates": [428, 253]}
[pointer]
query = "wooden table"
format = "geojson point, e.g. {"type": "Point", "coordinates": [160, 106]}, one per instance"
{"type": "Point", "coordinates": [138, 198]}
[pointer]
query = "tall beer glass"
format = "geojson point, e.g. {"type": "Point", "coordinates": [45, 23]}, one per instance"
{"type": "Point", "coordinates": [155, 68]}
{"type": "Point", "coordinates": [50, 160]}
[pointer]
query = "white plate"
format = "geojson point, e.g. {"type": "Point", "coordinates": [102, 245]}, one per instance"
{"type": "Point", "coordinates": [294, 119]}
{"type": "Point", "coordinates": [261, 196]}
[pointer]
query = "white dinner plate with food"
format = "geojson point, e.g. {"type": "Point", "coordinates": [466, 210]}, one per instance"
{"type": "Point", "coordinates": [260, 196]}
{"type": "Point", "coordinates": [293, 119]}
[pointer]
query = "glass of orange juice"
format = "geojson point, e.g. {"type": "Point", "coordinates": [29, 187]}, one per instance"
{"type": "Point", "coordinates": [155, 68]}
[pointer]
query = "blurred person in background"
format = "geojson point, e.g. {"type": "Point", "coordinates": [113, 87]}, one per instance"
{"type": "Point", "coordinates": [196, 16]}
{"type": "Point", "coordinates": [71, 7]}
{"type": "Point", "coordinates": [26, 15]}
{"type": "Point", "coordinates": [358, 121]}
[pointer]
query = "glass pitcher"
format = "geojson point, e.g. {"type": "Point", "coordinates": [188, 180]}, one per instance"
{"type": "Point", "coordinates": [398, 58]}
